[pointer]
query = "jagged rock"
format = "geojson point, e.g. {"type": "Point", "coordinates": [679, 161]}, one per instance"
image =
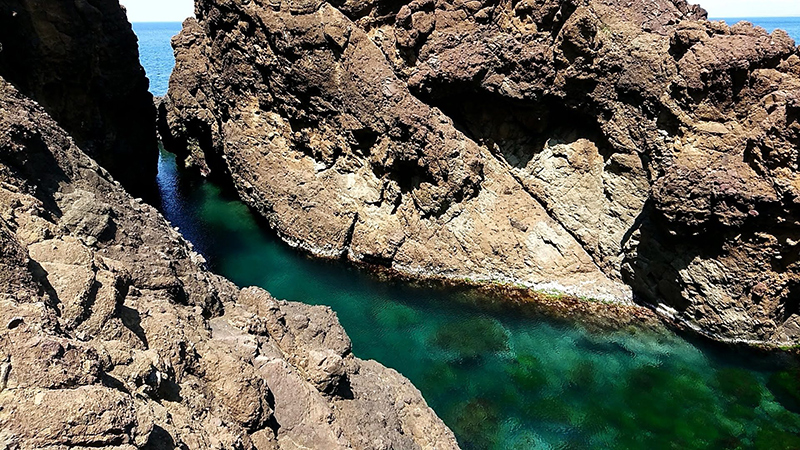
{"type": "Point", "coordinates": [608, 149]}
{"type": "Point", "coordinates": [113, 334]}
{"type": "Point", "coordinates": [80, 61]}
{"type": "Point", "coordinates": [15, 277]}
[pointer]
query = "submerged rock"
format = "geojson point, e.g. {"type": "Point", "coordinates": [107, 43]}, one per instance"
{"type": "Point", "coordinates": [785, 385]}
{"type": "Point", "coordinates": [114, 334]}
{"type": "Point", "coordinates": [472, 338]}
{"type": "Point", "coordinates": [79, 60]}
{"type": "Point", "coordinates": [605, 149]}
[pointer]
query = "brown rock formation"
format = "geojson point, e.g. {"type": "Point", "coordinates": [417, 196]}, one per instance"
{"type": "Point", "coordinates": [113, 334]}
{"type": "Point", "coordinates": [80, 61]}
{"type": "Point", "coordinates": [601, 147]}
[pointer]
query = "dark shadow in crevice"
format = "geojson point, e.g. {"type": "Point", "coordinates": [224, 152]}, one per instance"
{"type": "Point", "coordinates": [519, 130]}
{"type": "Point", "coordinates": [132, 321]}
{"type": "Point", "coordinates": [40, 276]}
{"type": "Point", "coordinates": [344, 389]}
{"type": "Point", "coordinates": [37, 165]}
{"type": "Point", "coordinates": [160, 439]}
{"type": "Point", "coordinates": [114, 383]}
{"type": "Point", "coordinates": [170, 391]}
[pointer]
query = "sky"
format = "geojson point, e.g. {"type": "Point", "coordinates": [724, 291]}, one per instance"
{"type": "Point", "coordinates": [177, 10]}
{"type": "Point", "coordinates": [158, 10]}
{"type": "Point", "coordinates": [750, 8]}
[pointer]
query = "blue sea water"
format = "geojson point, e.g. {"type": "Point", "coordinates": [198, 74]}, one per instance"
{"type": "Point", "coordinates": [155, 52]}
{"type": "Point", "coordinates": [790, 25]}
{"type": "Point", "coordinates": [500, 379]}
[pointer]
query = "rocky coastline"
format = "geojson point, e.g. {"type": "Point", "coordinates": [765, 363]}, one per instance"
{"type": "Point", "coordinates": [631, 153]}
{"type": "Point", "coordinates": [116, 335]}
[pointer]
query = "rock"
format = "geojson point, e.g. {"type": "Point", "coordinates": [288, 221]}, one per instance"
{"type": "Point", "coordinates": [51, 363]}
{"type": "Point", "coordinates": [114, 334]}
{"type": "Point", "coordinates": [80, 61]}
{"type": "Point", "coordinates": [617, 150]}
{"type": "Point", "coordinates": [15, 276]}
{"type": "Point", "coordinates": [235, 386]}
{"type": "Point", "coordinates": [88, 416]}
{"type": "Point", "coordinates": [310, 337]}
{"type": "Point", "coordinates": [394, 182]}
{"type": "Point", "coordinates": [86, 217]}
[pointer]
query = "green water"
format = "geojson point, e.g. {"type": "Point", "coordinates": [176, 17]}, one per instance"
{"type": "Point", "coordinates": [504, 380]}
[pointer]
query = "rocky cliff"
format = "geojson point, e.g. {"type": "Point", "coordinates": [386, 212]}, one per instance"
{"type": "Point", "coordinates": [80, 61]}
{"type": "Point", "coordinates": [610, 149]}
{"type": "Point", "coordinates": [114, 335]}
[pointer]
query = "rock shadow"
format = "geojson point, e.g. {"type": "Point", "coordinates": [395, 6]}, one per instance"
{"type": "Point", "coordinates": [160, 439]}
{"type": "Point", "coordinates": [133, 321]}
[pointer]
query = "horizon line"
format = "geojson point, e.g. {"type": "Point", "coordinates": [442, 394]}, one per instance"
{"type": "Point", "coordinates": [159, 21]}
{"type": "Point", "coordinates": [709, 18]}
{"type": "Point", "coordinates": [752, 17]}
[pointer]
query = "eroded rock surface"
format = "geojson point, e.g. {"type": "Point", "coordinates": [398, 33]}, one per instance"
{"type": "Point", "coordinates": [602, 148]}
{"type": "Point", "coordinates": [113, 334]}
{"type": "Point", "coordinates": [79, 59]}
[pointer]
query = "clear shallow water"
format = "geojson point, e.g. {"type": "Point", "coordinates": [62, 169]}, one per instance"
{"type": "Point", "coordinates": [155, 52]}
{"type": "Point", "coordinates": [507, 380]}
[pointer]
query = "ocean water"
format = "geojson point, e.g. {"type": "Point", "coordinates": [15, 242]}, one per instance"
{"type": "Point", "coordinates": [500, 379]}
{"type": "Point", "coordinates": [155, 52]}
{"type": "Point", "coordinates": [791, 25]}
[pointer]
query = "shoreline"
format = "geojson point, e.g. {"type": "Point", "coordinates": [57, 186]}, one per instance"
{"type": "Point", "coordinates": [552, 300]}
{"type": "Point", "coordinates": [603, 313]}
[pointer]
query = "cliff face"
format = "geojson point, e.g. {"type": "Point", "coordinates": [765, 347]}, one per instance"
{"type": "Point", "coordinates": [80, 61]}
{"type": "Point", "coordinates": [113, 334]}
{"type": "Point", "coordinates": [604, 148]}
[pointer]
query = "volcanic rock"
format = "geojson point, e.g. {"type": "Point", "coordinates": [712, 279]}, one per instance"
{"type": "Point", "coordinates": [611, 149]}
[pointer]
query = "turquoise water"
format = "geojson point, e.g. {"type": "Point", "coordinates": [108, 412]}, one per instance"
{"type": "Point", "coordinates": [502, 378]}
{"type": "Point", "coordinates": [155, 52]}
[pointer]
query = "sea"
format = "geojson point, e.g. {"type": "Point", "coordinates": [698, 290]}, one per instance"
{"type": "Point", "coordinates": [155, 52]}
{"type": "Point", "coordinates": [500, 379]}
{"type": "Point", "coordinates": [791, 25]}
